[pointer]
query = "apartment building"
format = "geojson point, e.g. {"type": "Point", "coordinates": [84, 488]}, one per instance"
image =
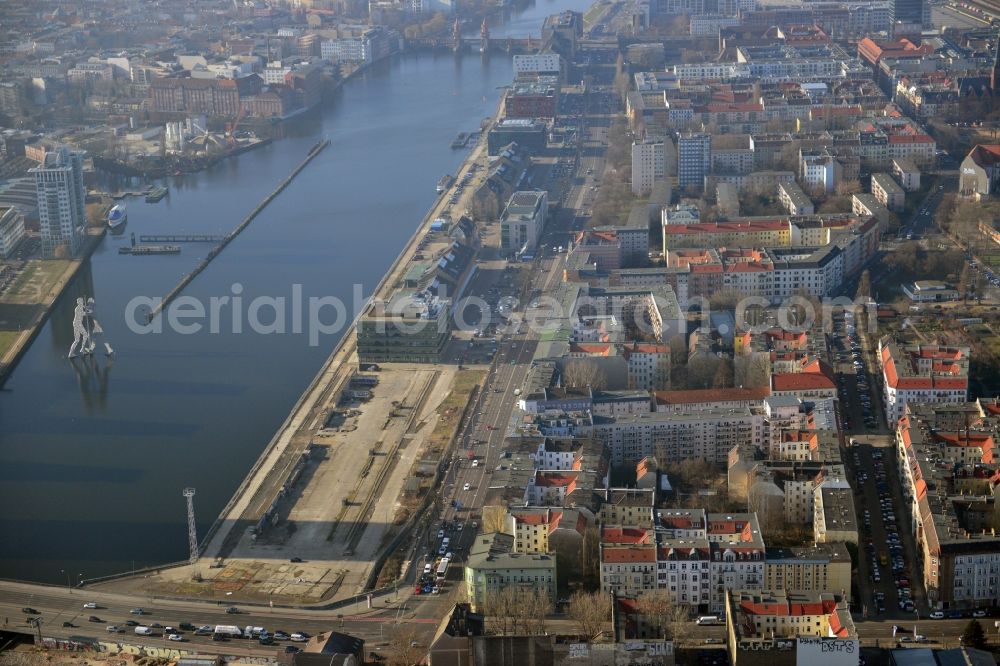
{"type": "Point", "coordinates": [819, 170]}
{"type": "Point", "coordinates": [61, 195]}
{"type": "Point", "coordinates": [834, 519]}
{"type": "Point", "coordinates": [922, 373]}
{"type": "Point", "coordinates": [693, 555]}
{"type": "Point", "coordinates": [795, 201]}
{"type": "Point", "coordinates": [537, 530]}
{"type": "Point", "coordinates": [628, 506]}
{"type": "Point", "coordinates": [787, 628]}
{"type": "Point", "coordinates": [678, 435]}
{"type": "Point", "coordinates": [888, 192]}
{"type": "Point", "coordinates": [649, 366]}
{"type": "Point", "coordinates": [11, 230]}
{"type": "Point", "coordinates": [953, 507]}
{"type": "Point", "coordinates": [493, 565]}
{"type": "Point", "coordinates": [823, 568]}
{"type": "Point", "coordinates": [648, 165]}
{"type": "Point", "coordinates": [906, 173]}
{"type": "Point", "coordinates": [694, 160]}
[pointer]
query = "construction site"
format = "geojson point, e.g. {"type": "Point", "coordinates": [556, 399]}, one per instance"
{"type": "Point", "coordinates": [174, 148]}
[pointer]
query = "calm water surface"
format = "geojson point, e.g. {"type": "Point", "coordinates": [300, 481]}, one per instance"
{"type": "Point", "coordinates": [93, 456]}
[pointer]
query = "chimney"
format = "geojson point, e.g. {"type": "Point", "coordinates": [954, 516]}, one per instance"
{"type": "Point", "coordinates": [615, 618]}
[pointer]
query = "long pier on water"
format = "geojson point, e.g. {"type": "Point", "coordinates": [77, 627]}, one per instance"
{"type": "Point", "coordinates": [228, 238]}
{"type": "Point", "coordinates": [183, 238]}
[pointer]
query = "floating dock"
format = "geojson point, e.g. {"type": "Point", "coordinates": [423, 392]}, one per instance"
{"type": "Point", "coordinates": [156, 194]}
{"type": "Point", "coordinates": [182, 238]}
{"type": "Point", "coordinates": [461, 141]}
{"type": "Point", "coordinates": [150, 249]}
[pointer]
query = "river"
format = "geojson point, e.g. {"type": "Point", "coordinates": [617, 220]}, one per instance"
{"type": "Point", "coordinates": [94, 455]}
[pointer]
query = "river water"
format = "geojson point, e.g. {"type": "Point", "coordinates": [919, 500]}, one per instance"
{"type": "Point", "coordinates": [94, 455]}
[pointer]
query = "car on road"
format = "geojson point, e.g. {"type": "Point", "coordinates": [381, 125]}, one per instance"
{"type": "Point", "coordinates": [94, 618]}
{"type": "Point", "coordinates": [90, 604]}
{"type": "Point", "coordinates": [299, 637]}
{"type": "Point", "coordinates": [280, 635]}
{"type": "Point", "coordinates": [131, 623]}
{"type": "Point", "coordinates": [979, 613]}
{"type": "Point", "coordinates": [68, 624]}
{"type": "Point", "coordinates": [28, 610]}
{"type": "Point", "coordinates": [937, 615]}
{"type": "Point", "coordinates": [115, 629]}
{"type": "Point", "coordinates": [467, 487]}
{"type": "Point", "coordinates": [291, 649]}
{"type": "Point", "coordinates": [203, 631]}
{"type": "Point", "coordinates": [187, 626]}
{"type": "Point", "coordinates": [174, 637]}
{"type": "Point", "coordinates": [232, 610]}
{"type": "Point", "coordinates": [137, 611]}
{"type": "Point", "coordinates": [295, 560]}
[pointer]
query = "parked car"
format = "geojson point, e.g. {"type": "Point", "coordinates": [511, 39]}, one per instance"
{"type": "Point", "coordinates": [937, 615]}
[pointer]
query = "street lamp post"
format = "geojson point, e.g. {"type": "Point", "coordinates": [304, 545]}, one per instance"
{"type": "Point", "coordinates": [68, 585]}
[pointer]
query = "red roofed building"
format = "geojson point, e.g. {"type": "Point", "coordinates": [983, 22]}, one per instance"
{"type": "Point", "coordinates": [922, 373]}
{"type": "Point", "coordinates": [815, 380]}
{"type": "Point", "coordinates": [872, 51]}
{"type": "Point", "coordinates": [691, 555]}
{"type": "Point", "coordinates": [537, 529]}
{"type": "Point", "coordinates": [782, 627]}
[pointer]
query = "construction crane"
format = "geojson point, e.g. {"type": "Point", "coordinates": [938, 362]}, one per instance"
{"type": "Point", "coordinates": [231, 127]}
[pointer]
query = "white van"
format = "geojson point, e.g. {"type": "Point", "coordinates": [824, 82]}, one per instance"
{"type": "Point", "coordinates": [709, 620]}
{"type": "Point", "coordinates": [144, 631]}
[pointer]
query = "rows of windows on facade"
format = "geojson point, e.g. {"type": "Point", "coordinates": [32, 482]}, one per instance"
{"type": "Point", "coordinates": [62, 210]}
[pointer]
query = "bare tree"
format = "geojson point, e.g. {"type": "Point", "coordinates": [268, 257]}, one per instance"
{"type": "Point", "coordinates": [535, 605]}
{"type": "Point", "coordinates": [494, 519]}
{"type": "Point", "coordinates": [864, 285]}
{"type": "Point", "coordinates": [518, 610]}
{"type": "Point", "coordinates": [965, 281]}
{"type": "Point", "coordinates": [848, 187]}
{"type": "Point", "coordinates": [678, 350]}
{"type": "Point", "coordinates": [581, 372]}
{"type": "Point", "coordinates": [404, 648]}
{"type": "Point", "coordinates": [723, 374]}
{"type": "Point", "coordinates": [590, 555]}
{"type": "Point", "coordinates": [655, 606]}
{"type": "Point", "coordinates": [589, 611]}
{"type": "Point", "coordinates": [498, 609]}
{"type": "Point", "coordinates": [701, 371]}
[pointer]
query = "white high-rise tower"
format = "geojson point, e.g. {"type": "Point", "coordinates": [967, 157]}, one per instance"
{"type": "Point", "coordinates": [62, 212]}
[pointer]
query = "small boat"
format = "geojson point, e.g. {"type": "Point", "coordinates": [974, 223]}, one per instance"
{"type": "Point", "coordinates": [108, 350]}
{"type": "Point", "coordinates": [117, 216]}
{"type": "Point", "coordinates": [444, 183]}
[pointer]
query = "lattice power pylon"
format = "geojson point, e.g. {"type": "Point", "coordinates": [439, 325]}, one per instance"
{"type": "Point", "coordinates": [192, 527]}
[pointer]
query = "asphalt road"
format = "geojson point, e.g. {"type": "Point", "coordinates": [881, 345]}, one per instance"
{"type": "Point", "coordinates": [58, 605]}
